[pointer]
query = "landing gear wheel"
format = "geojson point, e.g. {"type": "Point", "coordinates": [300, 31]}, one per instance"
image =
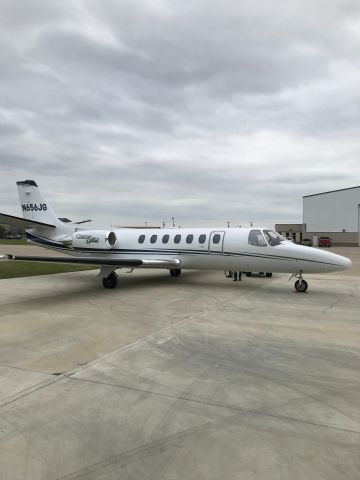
{"type": "Point", "coordinates": [110, 281]}
{"type": "Point", "coordinates": [301, 286]}
{"type": "Point", "coordinates": [248, 274]}
{"type": "Point", "coordinates": [268, 274]}
{"type": "Point", "coordinates": [175, 272]}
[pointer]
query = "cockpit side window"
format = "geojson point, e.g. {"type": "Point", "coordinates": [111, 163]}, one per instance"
{"type": "Point", "coordinates": [273, 238]}
{"type": "Point", "coordinates": [256, 239]}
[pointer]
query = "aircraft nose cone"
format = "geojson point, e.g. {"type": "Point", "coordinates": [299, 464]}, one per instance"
{"type": "Point", "coordinates": [346, 262]}
{"type": "Point", "coordinates": [336, 262]}
{"type": "Point", "coordinates": [343, 262]}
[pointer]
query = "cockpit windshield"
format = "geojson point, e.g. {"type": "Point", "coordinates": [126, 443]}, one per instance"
{"type": "Point", "coordinates": [273, 238]}
{"type": "Point", "coordinates": [256, 239]}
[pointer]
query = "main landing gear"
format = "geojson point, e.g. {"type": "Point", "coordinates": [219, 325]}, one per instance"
{"type": "Point", "coordinates": [175, 272]}
{"type": "Point", "coordinates": [110, 281]}
{"type": "Point", "coordinates": [301, 285]}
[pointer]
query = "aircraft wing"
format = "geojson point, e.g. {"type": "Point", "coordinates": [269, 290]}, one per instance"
{"type": "Point", "coordinates": [100, 261]}
{"type": "Point", "coordinates": [21, 222]}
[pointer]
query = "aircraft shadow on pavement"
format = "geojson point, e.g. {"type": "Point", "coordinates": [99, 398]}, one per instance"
{"type": "Point", "coordinates": [84, 286]}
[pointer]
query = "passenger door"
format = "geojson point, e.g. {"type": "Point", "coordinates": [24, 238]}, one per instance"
{"type": "Point", "coordinates": [216, 241]}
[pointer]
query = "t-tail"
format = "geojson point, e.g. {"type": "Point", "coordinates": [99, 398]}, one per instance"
{"type": "Point", "coordinates": [33, 205]}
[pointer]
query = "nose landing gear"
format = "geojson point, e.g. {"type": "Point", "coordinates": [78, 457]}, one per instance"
{"type": "Point", "coordinates": [301, 285]}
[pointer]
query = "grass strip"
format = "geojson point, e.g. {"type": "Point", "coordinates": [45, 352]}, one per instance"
{"type": "Point", "coordinates": [6, 241]}
{"type": "Point", "coordinates": [28, 269]}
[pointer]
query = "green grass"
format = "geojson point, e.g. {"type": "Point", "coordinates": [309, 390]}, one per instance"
{"type": "Point", "coordinates": [5, 241]}
{"type": "Point", "coordinates": [28, 269]}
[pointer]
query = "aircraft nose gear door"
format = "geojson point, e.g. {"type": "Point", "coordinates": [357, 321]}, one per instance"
{"type": "Point", "coordinates": [216, 241]}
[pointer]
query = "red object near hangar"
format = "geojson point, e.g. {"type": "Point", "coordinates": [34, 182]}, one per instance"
{"type": "Point", "coordinates": [324, 242]}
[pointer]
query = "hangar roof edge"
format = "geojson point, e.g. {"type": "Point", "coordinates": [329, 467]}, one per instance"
{"type": "Point", "coordinates": [330, 191]}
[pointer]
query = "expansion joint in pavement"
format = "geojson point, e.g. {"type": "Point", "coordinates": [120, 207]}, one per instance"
{"type": "Point", "coordinates": [221, 405]}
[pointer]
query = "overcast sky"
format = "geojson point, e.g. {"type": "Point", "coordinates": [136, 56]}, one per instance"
{"type": "Point", "coordinates": [208, 111]}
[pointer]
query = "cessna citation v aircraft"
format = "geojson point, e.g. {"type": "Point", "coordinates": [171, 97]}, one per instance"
{"type": "Point", "coordinates": [237, 249]}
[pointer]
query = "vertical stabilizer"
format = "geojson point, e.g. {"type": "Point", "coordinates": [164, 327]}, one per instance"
{"type": "Point", "coordinates": [33, 204]}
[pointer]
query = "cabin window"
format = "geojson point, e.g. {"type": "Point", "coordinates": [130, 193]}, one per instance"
{"type": "Point", "coordinates": [189, 238]}
{"type": "Point", "coordinates": [256, 238]}
{"type": "Point", "coordinates": [216, 238]}
{"type": "Point", "coordinates": [153, 238]}
{"type": "Point", "coordinates": [165, 239]}
{"type": "Point", "coordinates": [177, 238]}
{"type": "Point", "coordinates": [141, 238]}
{"type": "Point", "coordinates": [202, 238]}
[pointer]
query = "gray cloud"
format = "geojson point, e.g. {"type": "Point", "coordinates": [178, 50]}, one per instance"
{"type": "Point", "coordinates": [134, 111]}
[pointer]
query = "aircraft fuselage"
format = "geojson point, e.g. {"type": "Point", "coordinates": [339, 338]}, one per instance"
{"type": "Point", "coordinates": [197, 248]}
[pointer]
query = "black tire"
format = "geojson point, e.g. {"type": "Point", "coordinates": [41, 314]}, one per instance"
{"type": "Point", "coordinates": [110, 281]}
{"type": "Point", "coordinates": [248, 274]}
{"type": "Point", "coordinates": [301, 287]}
{"type": "Point", "coordinates": [268, 274]}
{"type": "Point", "coordinates": [175, 272]}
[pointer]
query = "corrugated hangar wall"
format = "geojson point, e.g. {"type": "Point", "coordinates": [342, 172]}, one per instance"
{"type": "Point", "coordinates": [336, 212]}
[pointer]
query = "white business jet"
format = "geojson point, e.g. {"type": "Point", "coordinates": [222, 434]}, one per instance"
{"type": "Point", "coordinates": [175, 249]}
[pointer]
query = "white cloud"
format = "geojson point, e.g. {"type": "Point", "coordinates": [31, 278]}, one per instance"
{"type": "Point", "coordinates": [204, 111]}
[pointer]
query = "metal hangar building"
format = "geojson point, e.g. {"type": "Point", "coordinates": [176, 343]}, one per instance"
{"type": "Point", "coordinates": [335, 214]}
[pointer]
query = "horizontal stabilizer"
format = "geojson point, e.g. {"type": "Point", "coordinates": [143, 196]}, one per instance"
{"type": "Point", "coordinates": [114, 262]}
{"type": "Point", "coordinates": [21, 222]}
{"type": "Point", "coordinates": [82, 221]}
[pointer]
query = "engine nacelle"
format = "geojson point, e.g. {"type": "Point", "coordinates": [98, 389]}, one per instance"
{"type": "Point", "coordinates": [93, 239]}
